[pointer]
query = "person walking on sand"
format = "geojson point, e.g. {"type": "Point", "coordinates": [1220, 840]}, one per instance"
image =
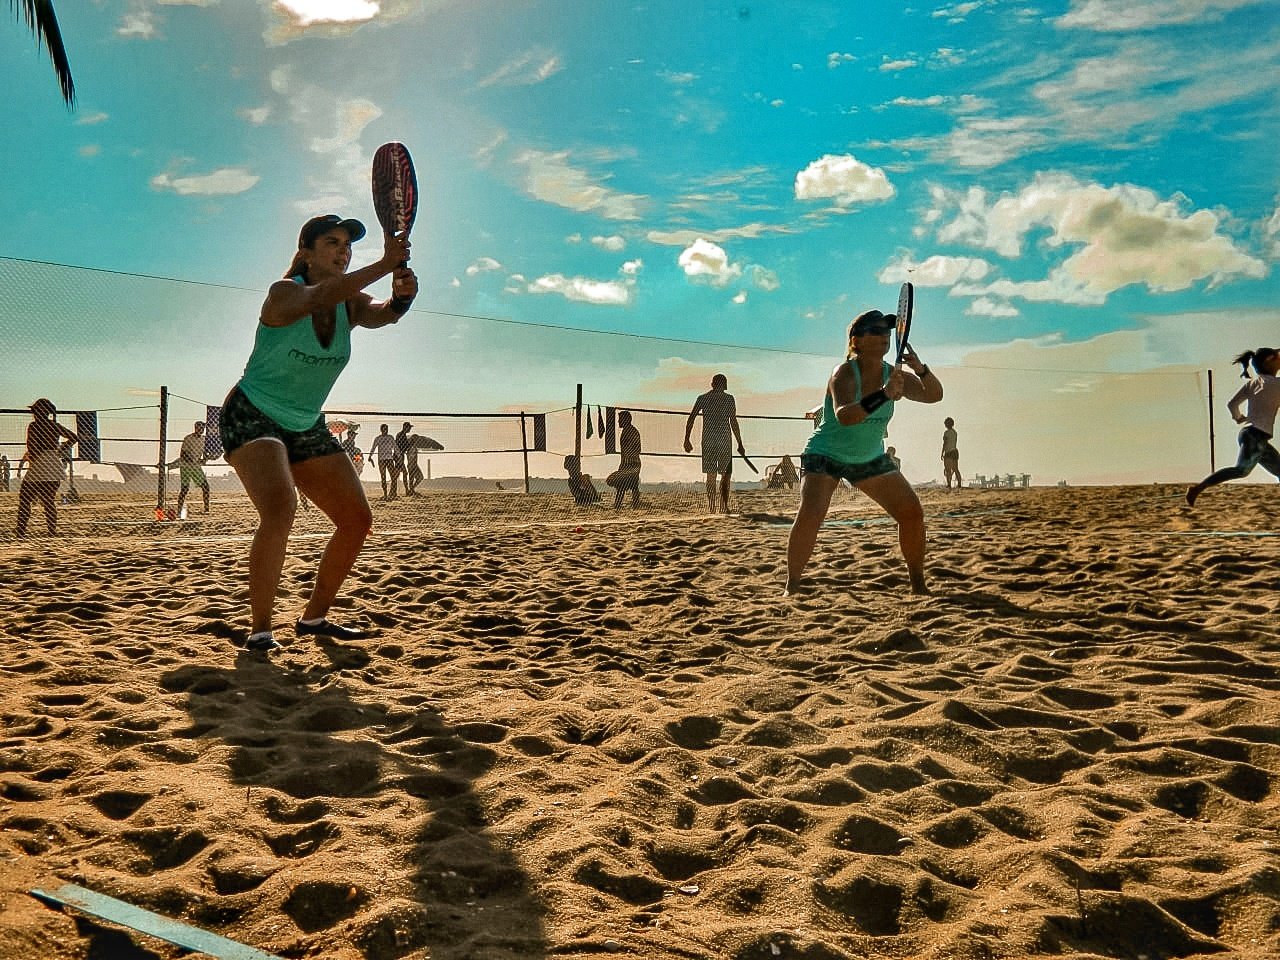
{"type": "Point", "coordinates": [1260, 398]}
{"type": "Point", "coordinates": [849, 445]}
{"type": "Point", "coordinates": [384, 449]}
{"type": "Point", "coordinates": [951, 453]}
{"type": "Point", "coordinates": [5, 470]}
{"type": "Point", "coordinates": [45, 440]}
{"type": "Point", "coordinates": [190, 467]}
{"type": "Point", "coordinates": [272, 426]}
{"type": "Point", "coordinates": [719, 428]}
{"type": "Point", "coordinates": [627, 476]}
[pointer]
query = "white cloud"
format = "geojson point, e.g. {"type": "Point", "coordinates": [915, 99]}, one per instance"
{"type": "Point", "coordinates": [707, 262]}
{"type": "Point", "coordinates": [678, 79]}
{"type": "Point", "coordinates": [550, 178]}
{"type": "Point", "coordinates": [764, 278]}
{"type": "Point", "coordinates": [740, 297]}
{"type": "Point", "coordinates": [1123, 15]}
{"type": "Point", "coordinates": [331, 126]}
{"type": "Point", "coordinates": [682, 238]}
{"type": "Point", "coordinates": [90, 150]}
{"type": "Point", "coordinates": [957, 12]}
{"type": "Point", "coordinates": [935, 271]}
{"type": "Point", "coordinates": [905, 63]}
{"type": "Point", "coordinates": [633, 267]}
{"type": "Point", "coordinates": [526, 70]}
{"type": "Point", "coordinates": [1271, 229]}
{"type": "Point", "coordinates": [600, 292]}
{"type": "Point", "coordinates": [613, 243]}
{"type": "Point", "coordinates": [1121, 235]}
{"type": "Point", "coordinates": [138, 24]}
{"type": "Point", "coordinates": [482, 265]}
{"type": "Point", "coordinates": [91, 119]}
{"type": "Point", "coordinates": [986, 307]}
{"type": "Point", "coordinates": [225, 181]}
{"type": "Point", "coordinates": [844, 179]}
{"type": "Point", "coordinates": [937, 100]}
{"type": "Point", "coordinates": [306, 13]}
{"type": "Point", "coordinates": [834, 60]}
{"type": "Point", "coordinates": [255, 115]}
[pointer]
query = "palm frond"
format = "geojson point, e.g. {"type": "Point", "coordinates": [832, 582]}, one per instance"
{"type": "Point", "coordinates": [43, 22]}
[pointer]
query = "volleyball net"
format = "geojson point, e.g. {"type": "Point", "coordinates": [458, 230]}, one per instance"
{"type": "Point", "coordinates": [492, 407]}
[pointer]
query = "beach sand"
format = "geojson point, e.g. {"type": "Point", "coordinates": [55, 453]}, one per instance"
{"type": "Point", "coordinates": [593, 735]}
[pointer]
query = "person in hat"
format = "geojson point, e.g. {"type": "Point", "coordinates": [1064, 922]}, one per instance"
{"type": "Point", "coordinates": [272, 428]}
{"type": "Point", "coordinates": [1254, 407]}
{"type": "Point", "coordinates": [45, 466]}
{"type": "Point", "coordinates": [848, 444]}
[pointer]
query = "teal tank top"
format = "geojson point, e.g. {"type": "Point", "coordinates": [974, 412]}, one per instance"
{"type": "Point", "coordinates": [859, 443]}
{"type": "Point", "coordinates": [289, 374]}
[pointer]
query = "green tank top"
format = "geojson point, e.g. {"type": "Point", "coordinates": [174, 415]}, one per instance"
{"type": "Point", "coordinates": [859, 443]}
{"type": "Point", "coordinates": [289, 374]}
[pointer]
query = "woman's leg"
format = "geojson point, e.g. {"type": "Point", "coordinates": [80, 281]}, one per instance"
{"type": "Point", "coordinates": [26, 494]}
{"type": "Point", "coordinates": [1253, 447]}
{"type": "Point", "coordinates": [49, 497]}
{"type": "Point", "coordinates": [263, 468]}
{"type": "Point", "coordinates": [815, 497]}
{"type": "Point", "coordinates": [892, 492]}
{"type": "Point", "coordinates": [331, 483]}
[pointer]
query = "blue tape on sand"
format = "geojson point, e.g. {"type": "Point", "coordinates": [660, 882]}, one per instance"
{"type": "Point", "coordinates": [152, 924]}
{"type": "Point", "coordinates": [1220, 533]}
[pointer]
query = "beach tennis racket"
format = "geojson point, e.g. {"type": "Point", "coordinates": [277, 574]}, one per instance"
{"type": "Point", "coordinates": [906, 300]}
{"type": "Point", "coordinates": [747, 461]}
{"type": "Point", "coordinates": [395, 189]}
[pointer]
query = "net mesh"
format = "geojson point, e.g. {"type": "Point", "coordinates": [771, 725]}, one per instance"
{"type": "Point", "coordinates": [93, 340]}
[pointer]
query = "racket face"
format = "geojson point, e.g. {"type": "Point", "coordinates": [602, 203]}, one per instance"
{"type": "Point", "coordinates": [906, 300]}
{"type": "Point", "coordinates": [395, 188]}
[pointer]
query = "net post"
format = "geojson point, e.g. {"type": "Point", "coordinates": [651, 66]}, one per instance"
{"type": "Point", "coordinates": [577, 425]}
{"type": "Point", "coordinates": [524, 450]}
{"type": "Point", "coordinates": [164, 436]}
{"type": "Point", "coordinates": [1213, 458]}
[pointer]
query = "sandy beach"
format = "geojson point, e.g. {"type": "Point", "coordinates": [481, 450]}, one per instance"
{"type": "Point", "coordinates": [589, 734]}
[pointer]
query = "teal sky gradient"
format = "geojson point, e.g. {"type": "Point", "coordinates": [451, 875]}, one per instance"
{"type": "Point", "coordinates": [1083, 185]}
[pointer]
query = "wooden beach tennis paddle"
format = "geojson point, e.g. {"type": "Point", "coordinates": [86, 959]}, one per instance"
{"type": "Point", "coordinates": [747, 461]}
{"type": "Point", "coordinates": [395, 189]}
{"type": "Point", "coordinates": [906, 301]}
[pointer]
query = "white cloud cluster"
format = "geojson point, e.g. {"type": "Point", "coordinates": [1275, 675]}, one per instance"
{"type": "Point", "coordinates": [1271, 229]}
{"type": "Point", "coordinates": [255, 115]}
{"type": "Point", "coordinates": [844, 179]}
{"type": "Point", "coordinates": [482, 265]}
{"type": "Point", "coordinates": [222, 182]}
{"type": "Point", "coordinates": [902, 63]}
{"type": "Point", "coordinates": [549, 177]}
{"type": "Point", "coordinates": [1122, 15]}
{"type": "Point", "coordinates": [986, 307]}
{"type": "Point", "coordinates": [935, 271]}
{"type": "Point", "coordinates": [835, 59]}
{"type": "Point", "coordinates": [525, 70]}
{"type": "Point", "coordinates": [613, 293]}
{"type": "Point", "coordinates": [707, 262]}
{"type": "Point", "coordinates": [1121, 235]}
{"type": "Point", "coordinates": [613, 243]}
{"type": "Point", "coordinates": [305, 13]}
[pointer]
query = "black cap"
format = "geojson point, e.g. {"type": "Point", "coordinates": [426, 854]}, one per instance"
{"type": "Point", "coordinates": [318, 225]}
{"type": "Point", "coordinates": [872, 321]}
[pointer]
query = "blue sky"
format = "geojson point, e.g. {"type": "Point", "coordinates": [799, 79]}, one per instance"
{"type": "Point", "coordinates": [1083, 185]}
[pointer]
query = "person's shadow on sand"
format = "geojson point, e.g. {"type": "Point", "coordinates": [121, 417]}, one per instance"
{"type": "Point", "coordinates": [321, 800]}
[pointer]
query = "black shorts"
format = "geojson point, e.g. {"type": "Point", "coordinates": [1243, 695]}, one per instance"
{"type": "Point", "coordinates": [242, 422]}
{"type": "Point", "coordinates": [853, 472]}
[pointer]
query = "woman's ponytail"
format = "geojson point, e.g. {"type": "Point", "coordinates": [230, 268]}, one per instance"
{"type": "Point", "coordinates": [1244, 360]}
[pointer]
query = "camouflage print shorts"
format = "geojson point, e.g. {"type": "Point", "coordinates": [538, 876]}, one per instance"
{"type": "Point", "coordinates": [242, 422]}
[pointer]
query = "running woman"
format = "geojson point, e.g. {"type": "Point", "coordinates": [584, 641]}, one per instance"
{"type": "Point", "coordinates": [1260, 398]}
{"type": "Point", "coordinates": [849, 445]}
{"type": "Point", "coordinates": [272, 428]}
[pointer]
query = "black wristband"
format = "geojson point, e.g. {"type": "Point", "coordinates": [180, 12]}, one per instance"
{"type": "Point", "coordinates": [873, 401]}
{"type": "Point", "coordinates": [399, 306]}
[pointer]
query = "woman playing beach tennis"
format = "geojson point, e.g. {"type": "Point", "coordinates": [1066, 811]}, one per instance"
{"type": "Point", "coordinates": [1260, 398]}
{"type": "Point", "coordinates": [273, 431]}
{"type": "Point", "coordinates": [849, 445]}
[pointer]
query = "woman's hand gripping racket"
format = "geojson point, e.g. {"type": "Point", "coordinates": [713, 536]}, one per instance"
{"type": "Point", "coordinates": [906, 301]}
{"type": "Point", "coordinates": [395, 189]}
